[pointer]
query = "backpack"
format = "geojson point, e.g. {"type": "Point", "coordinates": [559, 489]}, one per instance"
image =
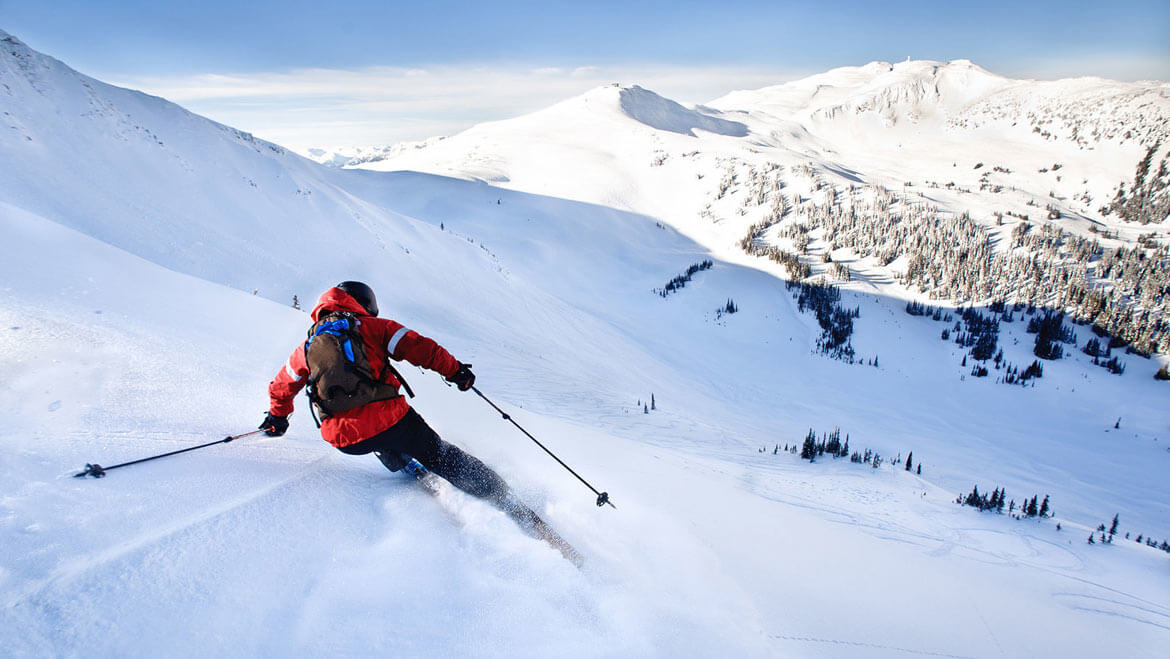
{"type": "Point", "coordinates": [340, 377]}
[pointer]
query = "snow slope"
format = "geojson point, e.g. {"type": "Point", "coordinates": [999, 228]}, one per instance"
{"type": "Point", "coordinates": [129, 326]}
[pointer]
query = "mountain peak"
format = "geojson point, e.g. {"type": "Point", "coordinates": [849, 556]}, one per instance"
{"type": "Point", "coordinates": [658, 112]}
{"type": "Point", "coordinates": [9, 39]}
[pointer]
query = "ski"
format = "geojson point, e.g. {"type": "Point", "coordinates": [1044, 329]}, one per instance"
{"type": "Point", "coordinates": [536, 527]}
{"type": "Point", "coordinates": [520, 513]}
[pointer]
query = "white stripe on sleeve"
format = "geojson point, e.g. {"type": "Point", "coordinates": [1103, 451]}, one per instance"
{"type": "Point", "coordinates": [393, 345]}
{"type": "Point", "coordinates": [291, 373]}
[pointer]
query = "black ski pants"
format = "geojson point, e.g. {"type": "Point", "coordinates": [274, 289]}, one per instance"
{"type": "Point", "coordinates": [411, 437]}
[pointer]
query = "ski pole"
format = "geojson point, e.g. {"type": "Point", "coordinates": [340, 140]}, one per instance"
{"type": "Point", "coordinates": [97, 471]}
{"type": "Point", "coordinates": [602, 497]}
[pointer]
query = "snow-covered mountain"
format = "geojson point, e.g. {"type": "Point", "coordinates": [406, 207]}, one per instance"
{"type": "Point", "coordinates": [1012, 165]}
{"type": "Point", "coordinates": [149, 263]}
{"type": "Point", "coordinates": [882, 117]}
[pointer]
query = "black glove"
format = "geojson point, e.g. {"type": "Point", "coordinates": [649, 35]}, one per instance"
{"type": "Point", "coordinates": [275, 425]}
{"type": "Point", "coordinates": [463, 378]}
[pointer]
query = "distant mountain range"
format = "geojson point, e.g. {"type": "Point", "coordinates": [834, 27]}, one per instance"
{"type": "Point", "coordinates": [857, 166]}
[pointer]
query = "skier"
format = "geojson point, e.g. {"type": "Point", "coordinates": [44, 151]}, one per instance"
{"type": "Point", "coordinates": [357, 391]}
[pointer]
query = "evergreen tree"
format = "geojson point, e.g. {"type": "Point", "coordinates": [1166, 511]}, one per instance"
{"type": "Point", "coordinates": [1044, 507]}
{"type": "Point", "coordinates": [1113, 526]}
{"type": "Point", "coordinates": [909, 459]}
{"type": "Point", "coordinates": [1093, 348]}
{"type": "Point", "coordinates": [833, 446]}
{"type": "Point", "coordinates": [808, 451]}
{"type": "Point", "coordinates": [973, 499]}
{"type": "Point", "coordinates": [1033, 371]}
{"type": "Point", "coordinates": [296, 303]}
{"type": "Point", "coordinates": [652, 405]}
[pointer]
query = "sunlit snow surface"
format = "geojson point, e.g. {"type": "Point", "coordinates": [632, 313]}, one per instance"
{"type": "Point", "coordinates": [133, 238]}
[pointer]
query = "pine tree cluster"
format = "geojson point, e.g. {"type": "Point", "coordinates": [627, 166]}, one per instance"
{"type": "Point", "coordinates": [934, 313]}
{"type": "Point", "coordinates": [1148, 201]}
{"type": "Point", "coordinates": [831, 444]}
{"type": "Point", "coordinates": [1121, 291]}
{"type": "Point", "coordinates": [998, 499]}
{"type": "Point", "coordinates": [1112, 364]}
{"type": "Point", "coordinates": [836, 322]}
{"type": "Point", "coordinates": [980, 333]}
{"type": "Point", "coordinates": [871, 458]}
{"type": "Point", "coordinates": [729, 308]}
{"type": "Point", "coordinates": [1012, 374]}
{"type": "Point", "coordinates": [680, 281]}
{"type": "Point", "coordinates": [1105, 536]}
{"type": "Point", "coordinates": [1050, 332]}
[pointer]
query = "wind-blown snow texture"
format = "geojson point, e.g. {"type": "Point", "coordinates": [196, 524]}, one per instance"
{"type": "Point", "coordinates": [149, 260]}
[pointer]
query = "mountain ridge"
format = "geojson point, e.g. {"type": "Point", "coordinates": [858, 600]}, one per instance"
{"type": "Point", "coordinates": [884, 86]}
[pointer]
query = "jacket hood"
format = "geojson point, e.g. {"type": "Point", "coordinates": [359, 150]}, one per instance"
{"type": "Point", "coordinates": [336, 299]}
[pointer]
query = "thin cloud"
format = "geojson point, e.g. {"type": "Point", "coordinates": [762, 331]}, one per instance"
{"type": "Point", "coordinates": [382, 105]}
{"type": "Point", "coordinates": [1112, 66]}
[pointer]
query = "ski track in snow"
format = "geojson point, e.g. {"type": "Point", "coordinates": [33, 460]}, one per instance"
{"type": "Point", "coordinates": [870, 646]}
{"type": "Point", "coordinates": [78, 567]}
{"type": "Point", "coordinates": [1162, 619]}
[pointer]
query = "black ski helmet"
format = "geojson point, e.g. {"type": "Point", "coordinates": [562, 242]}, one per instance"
{"type": "Point", "coordinates": [363, 294]}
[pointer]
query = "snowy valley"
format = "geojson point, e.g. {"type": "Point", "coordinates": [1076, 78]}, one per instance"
{"type": "Point", "coordinates": [614, 248]}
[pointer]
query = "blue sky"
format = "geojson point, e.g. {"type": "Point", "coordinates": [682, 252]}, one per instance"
{"type": "Point", "coordinates": [282, 69]}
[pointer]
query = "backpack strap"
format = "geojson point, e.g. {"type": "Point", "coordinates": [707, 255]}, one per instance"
{"type": "Point", "coordinates": [396, 374]}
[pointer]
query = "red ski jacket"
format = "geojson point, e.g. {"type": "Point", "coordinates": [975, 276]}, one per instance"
{"type": "Point", "coordinates": [382, 338]}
